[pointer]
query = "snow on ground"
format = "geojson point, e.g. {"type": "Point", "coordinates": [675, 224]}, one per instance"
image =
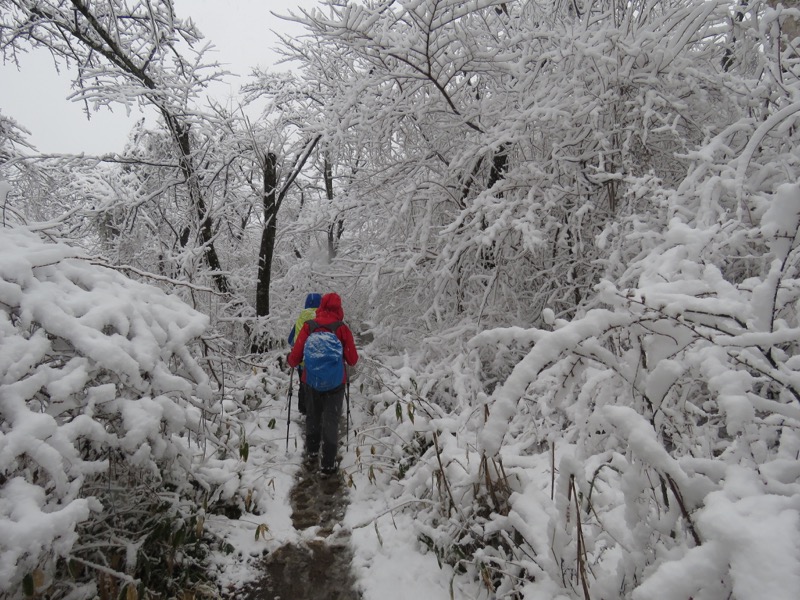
{"type": "Point", "coordinates": [389, 562]}
{"type": "Point", "coordinates": [269, 475]}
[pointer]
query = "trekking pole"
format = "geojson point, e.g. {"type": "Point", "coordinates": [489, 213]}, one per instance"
{"type": "Point", "coordinates": [347, 396]}
{"type": "Point", "coordinates": [289, 416]}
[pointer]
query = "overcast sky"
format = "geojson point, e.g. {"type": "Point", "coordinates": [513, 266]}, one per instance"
{"type": "Point", "coordinates": [35, 95]}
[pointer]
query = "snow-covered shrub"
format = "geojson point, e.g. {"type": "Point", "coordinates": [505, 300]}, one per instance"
{"type": "Point", "coordinates": [673, 408]}
{"type": "Point", "coordinates": [669, 399]}
{"type": "Point", "coordinates": [106, 419]}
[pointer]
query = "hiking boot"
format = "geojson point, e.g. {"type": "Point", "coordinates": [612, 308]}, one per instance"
{"type": "Point", "coordinates": [329, 471]}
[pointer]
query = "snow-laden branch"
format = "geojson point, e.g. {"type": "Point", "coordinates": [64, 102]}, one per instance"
{"type": "Point", "coordinates": [96, 385]}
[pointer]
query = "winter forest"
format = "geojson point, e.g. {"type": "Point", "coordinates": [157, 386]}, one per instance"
{"type": "Point", "coordinates": [565, 233]}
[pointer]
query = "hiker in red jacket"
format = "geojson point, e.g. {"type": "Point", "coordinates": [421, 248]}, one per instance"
{"type": "Point", "coordinates": [324, 406]}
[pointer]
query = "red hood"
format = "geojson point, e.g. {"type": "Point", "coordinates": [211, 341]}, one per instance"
{"type": "Point", "coordinates": [330, 309]}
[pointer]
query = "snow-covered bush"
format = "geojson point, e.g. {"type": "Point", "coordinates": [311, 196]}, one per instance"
{"type": "Point", "coordinates": [668, 412]}
{"type": "Point", "coordinates": [677, 404]}
{"type": "Point", "coordinates": [106, 419]}
{"type": "Point", "coordinates": [632, 429]}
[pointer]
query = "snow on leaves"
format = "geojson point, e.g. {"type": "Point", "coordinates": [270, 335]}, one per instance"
{"type": "Point", "coordinates": [679, 402]}
{"type": "Point", "coordinates": [669, 399]}
{"type": "Point", "coordinates": [97, 390]}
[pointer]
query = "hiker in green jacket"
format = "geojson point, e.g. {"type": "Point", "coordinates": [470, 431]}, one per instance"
{"type": "Point", "coordinates": [309, 312]}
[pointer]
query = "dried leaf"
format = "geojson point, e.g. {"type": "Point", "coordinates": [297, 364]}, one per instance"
{"type": "Point", "coordinates": [198, 528]}
{"type": "Point", "coordinates": [262, 531]}
{"type": "Point", "coordinates": [38, 579]}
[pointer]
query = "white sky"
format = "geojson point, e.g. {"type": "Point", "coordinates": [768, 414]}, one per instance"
{"type": "Point", "coordinates": [35, 95]}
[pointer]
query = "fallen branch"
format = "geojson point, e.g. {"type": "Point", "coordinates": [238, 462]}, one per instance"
{"type": "Point", "coordinates": [371, 520]}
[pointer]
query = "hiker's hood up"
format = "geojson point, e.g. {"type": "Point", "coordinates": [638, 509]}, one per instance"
{"type": "Point", "coordinates": [313, 300]}
{"type": "Point", "coordinates": [330, 309]}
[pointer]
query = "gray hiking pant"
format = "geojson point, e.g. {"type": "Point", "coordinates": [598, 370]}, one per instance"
{"type": "Point", "coordinates": [323, 411]}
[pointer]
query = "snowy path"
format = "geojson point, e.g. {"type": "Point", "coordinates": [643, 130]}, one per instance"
{"type": "Point", "coordinates": [313, 569]}
{"type": "Point", "coordinates": [334, 538]}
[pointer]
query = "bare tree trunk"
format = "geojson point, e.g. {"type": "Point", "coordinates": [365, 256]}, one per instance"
{"type": "Point", "coordinates": [272, 197]}
{"type": "Point", "coordinates": [267, 249]}
{"type": "Point", "coordinates": [204, 221]}
{"type": "Point", "coordinates": [335, 229]}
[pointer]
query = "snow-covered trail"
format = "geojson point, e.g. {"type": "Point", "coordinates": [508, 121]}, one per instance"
{"type": "Point", "coordinates": [314, 568]}
{"type": "Point", "coordinates": [321, 537]}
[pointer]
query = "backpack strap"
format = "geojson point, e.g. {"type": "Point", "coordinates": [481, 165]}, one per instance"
{"type": "Point", "coordinates": [332, 327]}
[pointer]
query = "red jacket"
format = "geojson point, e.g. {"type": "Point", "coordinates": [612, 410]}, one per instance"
{"type": "Point", "coordinates": [329, 311]}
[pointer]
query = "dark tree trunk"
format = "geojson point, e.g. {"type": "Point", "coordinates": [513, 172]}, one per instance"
{"type": "Point", "coordinates": [335, 229]}
{"type": "Point", "coordinates": [204, 221]}
{"type": "Point", "coordinates": [272, 197]}
{"type": "Point", "coordinates": [268, 235]}
{"type": "Point", "coordinates": [496, 173]}
{"type": "Point", "coordinates": [727, 59]}
{"type": "Point", "coordinates": [499, 167]}
{"type": "Point", "coordinates": [91, 33]}
{"type": "Point", "coordinates": [267, 249]}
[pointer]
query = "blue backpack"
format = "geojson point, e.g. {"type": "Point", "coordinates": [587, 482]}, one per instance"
{"type": "Point", "coordinates": [323, 356]}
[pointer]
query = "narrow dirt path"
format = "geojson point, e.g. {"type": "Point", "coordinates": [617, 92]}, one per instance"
{"type": "Point", "coordinates": [317, 569]}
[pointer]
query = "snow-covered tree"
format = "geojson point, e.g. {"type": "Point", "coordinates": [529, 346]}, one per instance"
{"type": "Point", "coordinates": [126, 53]}
{"type": "Point", "coordinates": [572, 227]}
